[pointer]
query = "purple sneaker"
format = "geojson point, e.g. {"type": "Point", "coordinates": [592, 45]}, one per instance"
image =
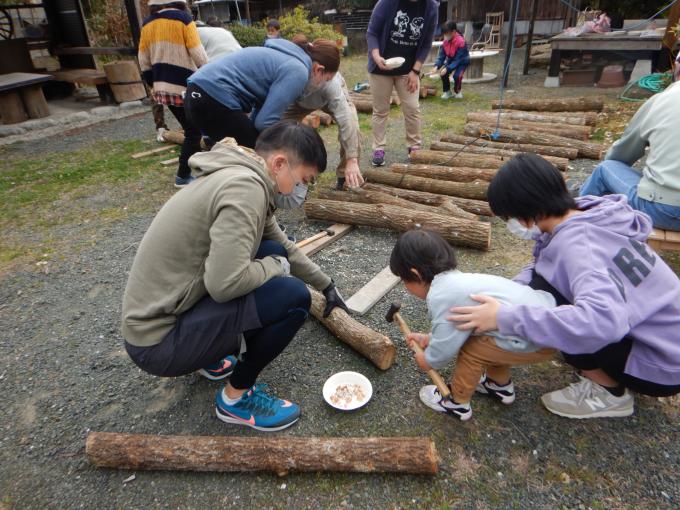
{"type": "Point", "coordinates": [378, 157]}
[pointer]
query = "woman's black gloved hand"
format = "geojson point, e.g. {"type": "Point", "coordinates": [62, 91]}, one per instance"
{"type": "Point", "coordinates": [333, 299]}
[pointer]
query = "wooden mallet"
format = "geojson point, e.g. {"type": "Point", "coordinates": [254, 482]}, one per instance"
{"type": "Point", "coordinates": [309, 240]}
{"type": "Point", "coordinates": [393, 315]}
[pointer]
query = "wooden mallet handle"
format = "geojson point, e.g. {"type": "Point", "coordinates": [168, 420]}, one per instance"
{"type": "Point", "coordinates": [434, 375]}
{"type": "Point", "coordinates": [310, 240]}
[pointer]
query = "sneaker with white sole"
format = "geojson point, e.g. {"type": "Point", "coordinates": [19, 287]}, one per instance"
{"type": "Point", "coordinates": [458, 95]}
{"type": "Point", "coordinates": [220, 370]}
{"type": "Point", "coordinates": [430, 396]}
{"type": "Point", "coordinates": [160, 132]}
{"type": "Point", "coordinates": [447, 95]}
{"type": "Point", "coordinates": [587, 399]}
{"type": "Point", "coordinates": [504, 393]}
{"type": "Point", "coordinates": [257, 409]}
{"type": "Point", "coordinates": [378, 158]}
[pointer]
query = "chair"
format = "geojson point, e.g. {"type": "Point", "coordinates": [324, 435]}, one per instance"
{"type": "Point", "coordinates": [484, 38]}
{"type": "Point", "coordinates": [495, 19]}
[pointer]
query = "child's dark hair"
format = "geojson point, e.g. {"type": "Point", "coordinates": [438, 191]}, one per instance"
{"type": "Point", "coordinates": [274, 23]}
{"type": "Point", "coordinates": [449, 26]}
{"type": "Point", "coordinates": [301, 142]}
{"type": "Point", "coordinates": [425, 251]}
{"type": "Point", "coordinates": [528, 188]}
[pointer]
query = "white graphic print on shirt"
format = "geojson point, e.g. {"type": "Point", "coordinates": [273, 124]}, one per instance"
{"type": "Point", "coordinates": [407, 32]}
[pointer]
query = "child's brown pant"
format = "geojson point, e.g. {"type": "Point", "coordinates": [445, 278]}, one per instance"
{"type": "Point", "coordinates": [481, 354]}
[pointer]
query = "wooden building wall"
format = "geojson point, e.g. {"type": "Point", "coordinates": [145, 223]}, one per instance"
{"type": "Point", "coordinates": [475, 10]}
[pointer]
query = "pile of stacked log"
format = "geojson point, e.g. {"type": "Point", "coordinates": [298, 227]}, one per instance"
{"type": "Point", "coordinates": [540, 55]}
{"type": "Point", "coordinates": [363, 101]}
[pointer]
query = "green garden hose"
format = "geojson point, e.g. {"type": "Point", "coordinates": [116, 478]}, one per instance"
{"type": "Point", "coordinates": [655, 82]}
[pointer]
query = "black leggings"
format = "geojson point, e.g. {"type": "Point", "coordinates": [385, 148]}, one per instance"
{"type": "Point", "coordinates": [457, 80]}
{"type": "Point", "coordinates": [192, 140]}
{"type": "Point", "coordinates": [216, 121]}
{"type": "Point", "coordinates": [611, 359]}
{"type": "Point", "coordinates": [269, 317]}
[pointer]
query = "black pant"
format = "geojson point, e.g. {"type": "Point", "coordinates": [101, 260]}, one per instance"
{"type": "Point", "coordinates": [216, 121]}
{"type": "Point", "coordinates": [269, 317]}
{"type": "Point", "coordinates": [611, 359]}
{"type": "Point", "coordinates": [457, 80]}
{"type": "Point", "coordinates": [192, 140]}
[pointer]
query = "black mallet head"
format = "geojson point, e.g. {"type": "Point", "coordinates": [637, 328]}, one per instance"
{"type": "Point", "coordinates": [394, 308]}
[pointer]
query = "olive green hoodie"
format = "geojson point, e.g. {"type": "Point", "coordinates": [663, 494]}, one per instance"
{"type": "Point", "coordinates": [203, 241]}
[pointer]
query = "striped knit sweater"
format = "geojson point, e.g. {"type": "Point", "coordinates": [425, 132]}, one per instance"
{"type": "Point", "coordinates": [170, 51]}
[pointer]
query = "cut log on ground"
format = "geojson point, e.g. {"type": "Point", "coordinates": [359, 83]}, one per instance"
{"type": "Point", "coordinates": [560, 163]}
{"type": "Point", "coordinates": [173, 136]}
{"type": "Point", "coordinates": [458, 231]}
{"type": "Point", "coordinates": [280, 455]}
{"type": "Point", "coordinates": [570, 131]}
{"type": "Point", "coordinates": [585, 149]}
{"type": "Point", "coordinates": [577, 119]}
{"type": "Point", "coordinates": [447, 173]}
{"type": "Point", "coordinates": [543, 150]}
{"type": "Point", "coordinates": [573, 104]}
{"type": "Point", "coordinates": [363, 106]}
{"type": "Point", "coordinates": [447, 158]}
{"type": "Point", "coordinates": [373, 345]}
{"type": "Point", "coordinates": [362, 196]}
{"type": "Point", "coordinates": [423, 197]}
{"type": "Point", "coordinates": [474, 189]}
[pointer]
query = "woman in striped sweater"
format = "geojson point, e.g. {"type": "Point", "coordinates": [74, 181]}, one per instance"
{"type": "Point", "coordinates": [169, 52]}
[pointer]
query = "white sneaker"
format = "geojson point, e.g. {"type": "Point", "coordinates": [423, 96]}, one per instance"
{"type": "Point", "coordinates": [430, 396]}
{"type": "Point", "coordinates": [447, 95]}
{"type": "Point", "coordinates": [587, 399]}
{"type": "Point", "coordinates": [505, 394]}
{"type": "Point", "coordinates": [159, 134]}
{"type": "Point", "coordinates": [459, 95]}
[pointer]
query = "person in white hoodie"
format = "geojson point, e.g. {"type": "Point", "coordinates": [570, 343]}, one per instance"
{"type": "Point", "coordinates": [217, 40]}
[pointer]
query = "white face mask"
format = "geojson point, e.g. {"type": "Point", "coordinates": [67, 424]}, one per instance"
{"type": "Point", "coordinates": [519, 230]}
{"type": "Point", "coordinates": [293, 199]}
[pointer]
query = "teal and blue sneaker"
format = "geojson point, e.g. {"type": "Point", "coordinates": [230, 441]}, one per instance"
{"type": "Point", "coordinates": [258, 410]}
{"type": "Point", "coordinates": [220, 370]}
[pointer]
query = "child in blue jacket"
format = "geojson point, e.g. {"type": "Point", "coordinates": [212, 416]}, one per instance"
{"type": "Point", "coordinates": [453, 59]}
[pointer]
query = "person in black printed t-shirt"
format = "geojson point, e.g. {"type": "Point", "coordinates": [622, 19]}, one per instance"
{"type": "Point", "coordinates": [398, 28]}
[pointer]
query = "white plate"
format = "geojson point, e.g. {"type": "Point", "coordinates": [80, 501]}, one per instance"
{"type": "Point", "coordinates": [394, 62]}
{"type": "Point", "coordinates": [341, 378]}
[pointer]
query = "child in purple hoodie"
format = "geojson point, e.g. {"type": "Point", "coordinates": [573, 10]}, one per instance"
{"type": "Point", "coordinates": [619, 318]}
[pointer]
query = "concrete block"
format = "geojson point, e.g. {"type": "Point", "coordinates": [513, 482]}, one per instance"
{"type": "Point", "coordinates": [130, 104]}
{"type": "Point", "coordinates": [642, 68]}
{"type": "Point", "coordinates": [34, 124]}
{"type": "Point", "coordinates": [74, 117]}
{"type": "Point", "coordinates": [104, 111]}
{"type": "Point", "coordinates": [11, 130]}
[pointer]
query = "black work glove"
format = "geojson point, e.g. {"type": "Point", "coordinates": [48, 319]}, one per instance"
{"type": "Point", "coordinates": [333, 299]}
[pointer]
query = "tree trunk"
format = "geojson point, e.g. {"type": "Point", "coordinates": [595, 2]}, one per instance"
{"type": "Point", "coordinates": [589, 117]}
{"type": "Point", "coordinates": [574, 104]}
{"type": "Point", "coordinates": [362, 196]}
{"type": "Point", "coordinates": [374, 346]}
{"type": "Point", "coordinates": [490, 119]}
{"type": "Point", "coordinates": [447, 173]}
{"type": "Point", "coordinates": [423, 197]}
{"type": "Point", "coordinates": [174, 136]}
{"type": "Point", "coordinates": [474, 234]}
{"type": "Point", "coordinates": [474, 189]}
{"type": "Point", "coordinates": [560, 163]}
{"type": "Point", "coordinates": [543, 150]}
{"type": "Point", "coordinates": [125, 81]}
{"type": "Point", "coordinates": [280, 455]}
{"type": "Point", "coordinates": [577, 119]}
{"type": "Point", "coordinates": [473, 160]}
{"type": "Point", "coordinates": [585, 149]}
{"type": "Point", "coordinates": [363, 106]}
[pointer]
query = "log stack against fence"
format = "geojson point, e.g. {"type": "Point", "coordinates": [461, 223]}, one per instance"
{"type": "Point", "coordinates": [478, 207]}
{"type": "Point", "coordinates": [543, 150]}
{"type": "Point", "coordinates": [447, 173]}
{"type": "Point", "coordinates": [373, 345]}
{"type": "Point", "coordinates": [280, 455]}
{"type": "Point", "coordinates": [585, 149]}
{"type": "Point", "coordinates": [560, 163]}
{"type": "Point", "coordinates": [575, 104]}
{"type": "Point", "coordinates": [458, 231]}
{"type": "Point", "coordinates": [475, 189]}
{"type": "Point", "coordinates": [570, 118]}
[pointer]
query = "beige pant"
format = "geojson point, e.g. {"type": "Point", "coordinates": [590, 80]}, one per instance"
{"type": "Point", "coordinates": [381, 89]}
{"type": "Point", "coordinates": [296, 112]}
{"type": "Point", "coordinates": [481, 354]}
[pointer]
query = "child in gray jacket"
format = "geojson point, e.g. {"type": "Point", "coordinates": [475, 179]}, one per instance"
{"type": "Point", "coordinates": [427, 265]}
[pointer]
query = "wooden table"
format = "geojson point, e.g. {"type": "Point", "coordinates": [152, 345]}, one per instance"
{"type": "Point", "coordinates": [21, 97]}
{"type": "Point", "coordinates": [632, 45]}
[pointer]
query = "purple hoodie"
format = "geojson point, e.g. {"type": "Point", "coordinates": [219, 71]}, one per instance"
{"type": "Point", "coordinates": [598, 260]}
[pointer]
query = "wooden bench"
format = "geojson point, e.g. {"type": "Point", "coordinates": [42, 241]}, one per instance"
{"type": "Point", "coordinates": [21, 97]}
{"type": "Point", "coordinates": [664, 240]}
{"type": "Point", "coordinates": [92, 77]}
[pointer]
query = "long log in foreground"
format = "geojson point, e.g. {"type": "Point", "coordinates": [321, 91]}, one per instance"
{"type": "Point", "coordinates": [560, 163]}
{"type": "Point", "coordinates": [568, 118]}
{"type": "Point", "coordinates": [474, 189]}
{"type": "Point", "coordinates": [371, 344]}
{"type": "Point", "coordinates": [458, 231]}
{"type": "Point", "coordinates": [447, 173]}
{"type": "Point", "coordinates": [573, 104]}
{"type": "Point", "coordinates": [543, 150]}
{"type": "Point", "coordinates": [281, 455]}
{"type": "Point", "coordinates": [585, 149]}
{"type": "Point", "coordinates": [479, 207]}
{"type": "Point", "coordinates": [569, 131]}
{"type": "Point", "coordinates": [362, 196]}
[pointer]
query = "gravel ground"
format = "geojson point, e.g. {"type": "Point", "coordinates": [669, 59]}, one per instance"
{"type": "Point", "coordinates": [64, 373]}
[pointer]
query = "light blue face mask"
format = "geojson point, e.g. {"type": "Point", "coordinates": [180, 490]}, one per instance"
{"type": "Point", "coordinates": [519, 230]}
{"type": "Point", "coordinates": [293, 199]}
